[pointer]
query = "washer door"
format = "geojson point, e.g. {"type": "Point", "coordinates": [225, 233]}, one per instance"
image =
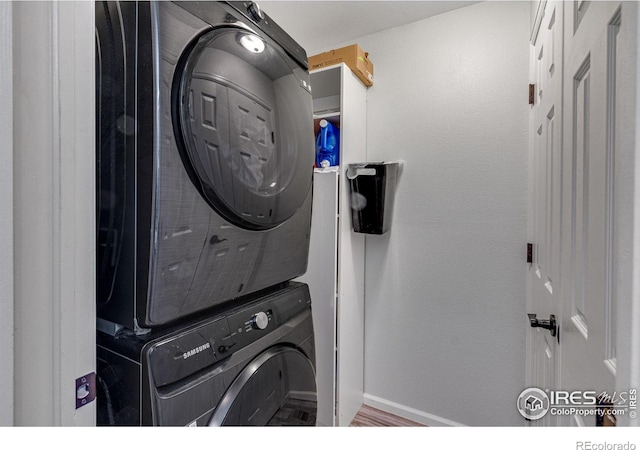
{"type": "Point", "coordinates": [243, 124]}
{"type": "Point", "coordinates": [276, 388]}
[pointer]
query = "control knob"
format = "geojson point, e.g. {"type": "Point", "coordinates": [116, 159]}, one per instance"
{"type": "Point", "coordinates": [255, 12]}
{"type": "Point", "coordinates": [259, 321]}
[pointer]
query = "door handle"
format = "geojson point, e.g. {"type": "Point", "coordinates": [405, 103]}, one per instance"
{"type": "Point", "coordinates": [550, 324]}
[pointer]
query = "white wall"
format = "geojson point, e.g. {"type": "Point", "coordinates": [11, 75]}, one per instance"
{"type": "Point", "coordinates": [445, 289]}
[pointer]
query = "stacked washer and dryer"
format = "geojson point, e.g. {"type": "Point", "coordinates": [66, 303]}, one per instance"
{"type": "Point", "coordinates": [204, 148]}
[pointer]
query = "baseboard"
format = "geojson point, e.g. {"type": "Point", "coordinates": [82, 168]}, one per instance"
{"type": "Point", "coordinates": [406, 412]}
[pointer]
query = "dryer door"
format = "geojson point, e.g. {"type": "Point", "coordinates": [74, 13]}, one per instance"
{"type": "Point", "coordinates": [276, 388]}
{"type": "Point", "coordinates": [243, 122]}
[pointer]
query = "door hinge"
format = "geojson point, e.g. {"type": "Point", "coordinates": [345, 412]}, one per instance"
{"type": "Point", "coordinates": [532, 94]}
{"type": "Point", "coordinates": [530, 253]}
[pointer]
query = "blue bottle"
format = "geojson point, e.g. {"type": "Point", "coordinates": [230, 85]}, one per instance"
{"type": "Point", "coordinates": [327, 145]}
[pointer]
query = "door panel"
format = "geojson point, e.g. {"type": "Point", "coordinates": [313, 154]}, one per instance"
{"type": "Point", "coordinates": [588, 361]}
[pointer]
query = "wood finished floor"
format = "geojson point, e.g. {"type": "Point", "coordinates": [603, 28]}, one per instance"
{"type": "Point", "coordinates": [371, 417]}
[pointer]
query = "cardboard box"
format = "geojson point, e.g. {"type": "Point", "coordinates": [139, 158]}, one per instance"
{"type": "Point", "coordinates": [352, 56]}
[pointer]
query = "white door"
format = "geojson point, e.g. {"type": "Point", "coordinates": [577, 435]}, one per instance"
{"type": "Point", "coordinates": [545, 190]}
{"type": "Point", "coordinates": [579, 64]}
{"type": "Point", "coordinates": [588, 316]}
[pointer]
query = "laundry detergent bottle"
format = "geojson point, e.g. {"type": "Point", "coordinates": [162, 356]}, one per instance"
{"type": "Point", "coordinates": [327, 145]}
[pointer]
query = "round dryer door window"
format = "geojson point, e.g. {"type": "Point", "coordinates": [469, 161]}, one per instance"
{"type": "Point", "coordinates": [277, 388]}
{"type": "Point", "coordinates": [244, 127]}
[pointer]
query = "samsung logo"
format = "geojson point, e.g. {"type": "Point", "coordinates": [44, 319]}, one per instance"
{"type": "Point", "coordinates": [195, 351]}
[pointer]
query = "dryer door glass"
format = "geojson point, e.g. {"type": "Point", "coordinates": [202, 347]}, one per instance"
{"type": "Point", "coordinates": [276, 388]}
{"type": "Point", "coordinates": [243, 123]}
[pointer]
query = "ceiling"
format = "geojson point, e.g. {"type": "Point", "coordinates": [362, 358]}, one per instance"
{"type": "Point", "coordinates": [321, 25]}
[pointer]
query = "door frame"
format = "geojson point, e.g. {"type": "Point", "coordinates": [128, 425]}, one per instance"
{"type": "Point", "coordinates": [6, 214]}
{"type": "Point", "coordinates": [54, 210]}
{"type": "Point", "coordinates": [541, 267]}
{"type": "Point", "coordinates": [627, 221]}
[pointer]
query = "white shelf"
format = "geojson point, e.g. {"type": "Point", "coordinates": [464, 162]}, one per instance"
{"type": "Point", "coordinates": [331, 169]}
{"type": "Point", "coordinates": [326, 115]}
{"type": "Point", "coordinates": [335, 273]}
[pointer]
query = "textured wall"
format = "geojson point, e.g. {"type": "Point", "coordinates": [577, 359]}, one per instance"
{"type": "Point", "coordinates": [445, 289]}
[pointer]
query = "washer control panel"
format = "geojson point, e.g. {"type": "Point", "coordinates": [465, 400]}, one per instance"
{"type": "Point", "coordinates": [181, 354]}
{"type": "Point", "coordinates": [251, 324]}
